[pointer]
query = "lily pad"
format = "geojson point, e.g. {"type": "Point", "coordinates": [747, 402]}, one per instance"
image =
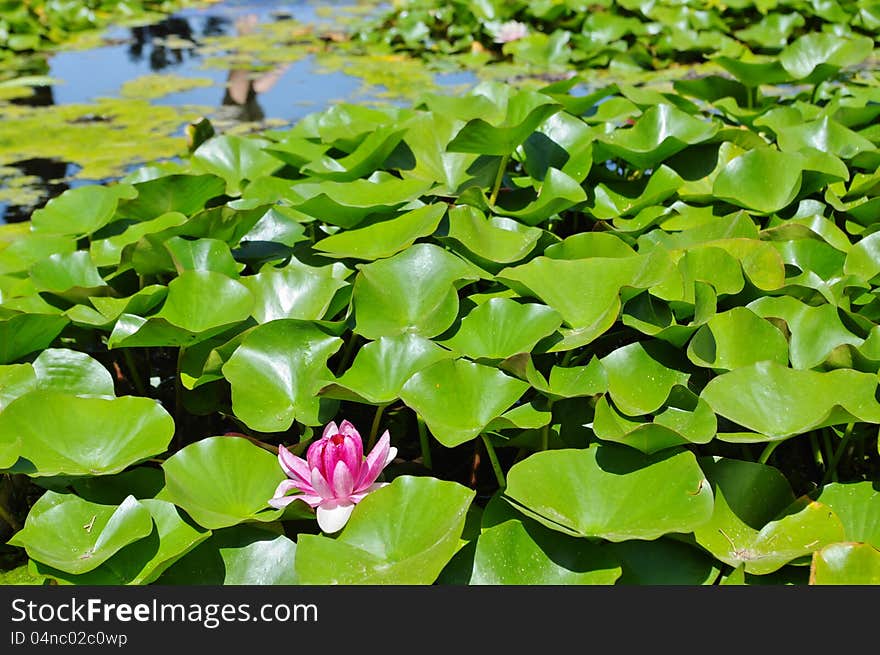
{"type": "Point", "coordinates": [76, 536]}
{"type": "Point", "coordinates": [846, 564]}
{"type": "Point", "coordinates": [478, 393]}
{"type": "Point", "coordinates": [61, 434]}
{"type": "Point", "coordinates": [276, 372]}
{"type": "Point", "coordinates": [404, 533]}
{"type": "Point", "coordinates": [223, 481]}
{"type": "Point", "coordinates": [612, 492]}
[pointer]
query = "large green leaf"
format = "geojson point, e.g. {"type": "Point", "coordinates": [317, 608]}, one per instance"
{"type": "Point", "coordinates": [846, 564]}
{"type": "Point", "coordinates": [736, 338]}
{"type": "Point", "coordinates": [247, 554]}
{"type": "Point", "coordinates": [76, 536]}
{"type": "Point", "coordinates": [659, 133]}
{"type": "Point", "coordinates": [385, 238]}
{"type": "Point", "coordinates": [22, 334]}
{"type": "Point", "coordinates": [494, 238]}
{"type": "Point", "coordinates": [857, 504]}
{"type": "Point", "coordinates": [513, 549]}
{"type": "Point", "coordinates": [142, 561]}
{"type": "Point", "coordinates": [637, 382]}
{"type": "Point", "coordinates": [223, 481]}
{"type": "Point", "coordinates": [72, 372]}
{"type": "Point", "coordinates": [502, 327]}
{"type": "Point", "coordinates": [295, 290]}
{"type": "Point", "coordinates": [612, 492]}
{"type": "Point", "coordinates": [381, 368]}
{"type": "Point", "coordinates": [404, 533]}
{"type": "Point", "coordinates": [82, 210]}
{"type": "Point", "coordinates": [276, 372]}
{"type": "Point", "coordinates": [235, 159]}
{"type": "Point", "coordinates": [182, 193]}
{"type": "Point", "coordinates": [414, 291]}
{"type": "Point", "coordinates": [764, 180]}
{"type": "Point", "coordinates": [57, 433]}
{"type": "Point", "coordinates": [585, 292]}
{"type": "Point", "coordinates": [779, 402]}
{"type": "Point", "coordinates": [458, 399]}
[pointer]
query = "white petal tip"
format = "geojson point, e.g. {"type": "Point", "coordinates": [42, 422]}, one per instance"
{"type": "Point", "coordinates": [334, 519]}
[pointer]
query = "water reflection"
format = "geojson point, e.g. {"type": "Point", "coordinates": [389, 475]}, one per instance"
{"type": "Point", "coordinates": [153, 38]}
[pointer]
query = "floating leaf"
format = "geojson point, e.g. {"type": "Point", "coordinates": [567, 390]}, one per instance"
{"type": "Point", "coordinates": [404, 533]}
{"type": "Point", "coordinates": [414, 291]}
{"type": "Point", "coordinates": [779, 402]}
{"type": "Point", "coordinates": [82, 210]}
{"type": "Point", "coordinates": [60, 434]}
{"type": "Point", "coordinates": [295, 290]}
{"type": "Point", "coordinates": [478, 393]}
{"type": "Point", "coordinates": [381, 367]}
{"type": "Point", "coordinates": [276, 373]}
{"type": "Point", "coordinates": [763, 179]}
{"type": "Point", "coordinates": [612, 492]}
{"type": "Point", "coordinates": [223, 481]}
{"type": "Point", "coordinates": [846, 564]}
{"type": "Point", "coordinates": [77, 536]}
{"type": "Point", "coordinates": [501, 327]}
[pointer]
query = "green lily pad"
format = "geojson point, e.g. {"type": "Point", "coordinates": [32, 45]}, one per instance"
{"type": "Point", "coordinates": [223, 481]}
{"type": "Point", "coordinates": [202, 255]}
{"type": "Point", "coordinates": [144, 560]}
{"type": "Point", "coordinates": [61, 434]}
{"type": "Point", "coordinates": [846, 564]}
{"type": "Point", "coordinates": [612, 492]}
{"type": "Point", "coordinates": [478, 393]}
{"type": "Point", "coordinates": [295, 290]}
{"type": "Point", "coordinates": [779, 402]}
{"type": "Point", "coordinates": [764, 180]}
{"type": "Point", "coordinates": [71, 276]}
{"type": "Point", "coordinates": [857, 505]}
{"type": "Point", "coordinates": [385, 238]}
{"type": "Point", "coordinates": [664, 561]}
{"type": "Point", "coordinates": [815, 331]}
{"type": "Point", "coordinates": [659, 133]}
{"type": "Point", "coordinates": [736, 338]}
{"type": "Point", "coordinates": [72, 372]}
{"type": "Point", "coordinates": [494, 238]}
{"type": "Point", "coordinates": [246, 554]}
{"type": "Point", "coordinates": [381, 368]}
{"type": "Point", "coordinates": [524, 111]}
{"type": "Point", "coordinates": [585, 292]}
{"type": "Point", "coordinates": [501, 328]}
{"type": "Point", "coordinates": [183, 193]}
{"type": "Point", "coordinates": [76, 536]}
{"type": "Point", "coordinates": [404, 533]}
{"type": "Point", "coordinates": [413, 291]}
{"type": "Point", "coordinates": [276, 372]}
{"type": "Point", "coordinates": [235, 159]}
{"type": "Point", "coordinates": [816, 56]}
{"type": "Point", "coordinates": [82, 210]}
{"type": "Point", "coordinates": [637, 382]}
{"type": "Point", "coordinates": [513, 549]}
{"type": "Point", "coordinates": [22, 334]}
{"type": "Point", "coordinates": [15, 380]}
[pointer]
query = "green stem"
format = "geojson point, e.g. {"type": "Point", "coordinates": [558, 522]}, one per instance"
{"type": "Point", "coordinates": [498, 177]}
{"type": "Point", "coordinates": [835, 460]}
{"type": "Point", "coordinates": [423, 442]}
{"type": "Point", "coordinates": [374, 428]}
{"type": "Point", "coordinates": [545, 431]}
{"type": "Point", "coordinates": [346, 354]}
{"type": "Point", "coordinates": [493, 458]}
{"type": "Point", "coordinates": [817, 454]}
{"type": "Point", "coordinates": [828, 455]}
{"type": "Point", "coordinates": [136, 379]}
{"type": "Point", "coordinates": [8, 518]}
{"type": "Point", "coordinates": [768, 450]}
{"type": "Point", "coordinates": [178, 400]}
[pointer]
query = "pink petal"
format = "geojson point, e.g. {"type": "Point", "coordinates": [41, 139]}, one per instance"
{"type": "Point", "coordinates": [343, 480]}
{"type": "Point", "coordinates": [348, 430]}
{"type": "Point", "coordinates": [332, 518]}
{"type": "Point", "coordinates": [320, 485]}
{"type": "Point", "coordinates": [351, 451]}
{"type": "Point", "coordinates": [315, 455]}
{"type": "Point", "coordinates": [281, 499]}
{"type": "Point", "coordinates": [330, 430]}
{"type": "Point", "coordinates": [376, 461]}
{"type": "Point", "coordinates": [292, 465]}
{"type": "Point", "coordinates": [360, 495]}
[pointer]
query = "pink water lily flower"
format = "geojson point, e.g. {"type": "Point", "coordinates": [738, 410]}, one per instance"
{"type": "Point", "coordinates": [335, 475]}
{"type": "Point", "coordinates": [512, 30]}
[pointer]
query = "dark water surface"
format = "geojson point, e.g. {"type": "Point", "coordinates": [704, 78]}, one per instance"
{"type": "Point", "coordinates": [85, 76]}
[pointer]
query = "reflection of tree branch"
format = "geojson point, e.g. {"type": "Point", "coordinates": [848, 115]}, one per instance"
{"type": "Point", "coordinates": [242, 87]}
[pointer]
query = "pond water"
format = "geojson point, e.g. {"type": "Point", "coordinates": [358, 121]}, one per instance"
{"type": "Point", "coordinates": [173, 48]}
